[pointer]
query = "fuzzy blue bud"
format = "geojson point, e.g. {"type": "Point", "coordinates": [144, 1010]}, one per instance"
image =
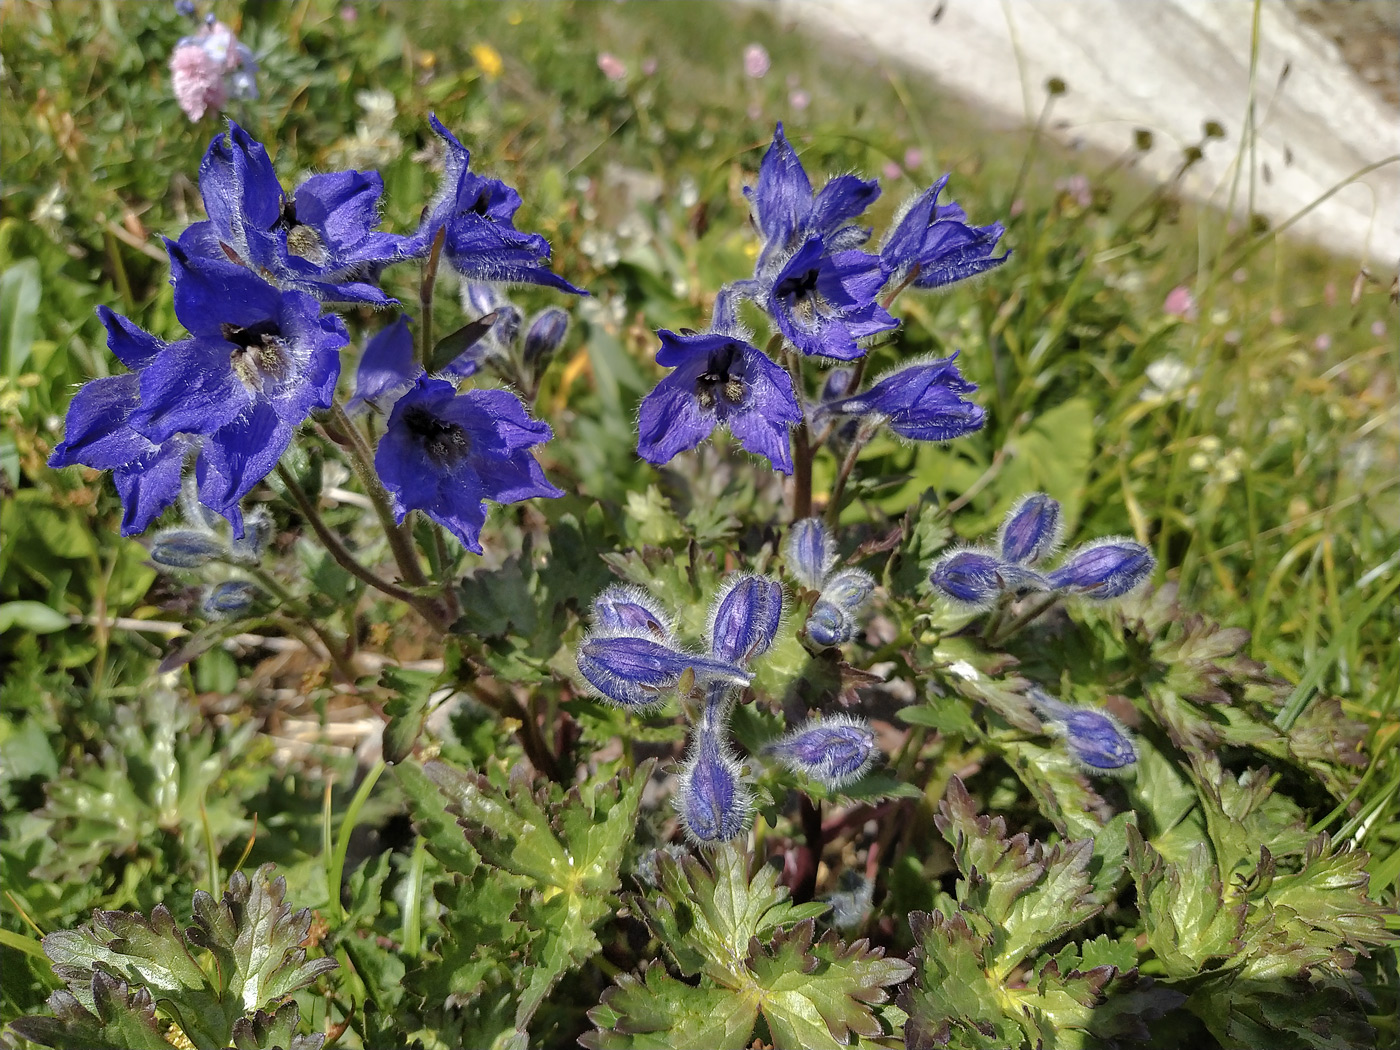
{"type": "Point", "coordinates": [544, 336]}
{"type": "Point", "coordinates": [828, 624]}
{"type": "Point", "coordinates": [744, 618]}
{"type": "Point", "coordinates": [231, 598]}
{"type": "Point", "coordinates": [713, 803]}
{"type": "Point", "coordinates": [849, 590]}
{"type": "Point", "coordinates": [1106, 569]}
{"type": "Point", "coordinates": [977, 578]}
{"type": "Point", "coordinates": [1031, 531]}
{"type": "Point", "coordinates": [837, 383]}
{"type": "Point", "coordinates": [922, 401]}
{"type": "Point", "coordinates": [832, 751]}
{"type": "Point", "coordinates": [186, 548]}
{"type": "Point", "coordinates": [1094, 738]}
{"type": "Point", "coordinates": [636, 672]}
{"type": "Point", "coordinates": [809, 552]}
{"type": "Point", "coordinates": [257, 534]}
{"type": "Point", "coordinates": [624, 610]}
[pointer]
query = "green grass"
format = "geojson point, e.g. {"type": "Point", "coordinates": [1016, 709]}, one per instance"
{"type": "Point", "coordinates": [1268, 482]}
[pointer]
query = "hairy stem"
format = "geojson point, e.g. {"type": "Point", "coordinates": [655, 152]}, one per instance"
{"type": "Point", "coordinates": [833, 505]}
{"type": "Point", "coordinates": [1033, 610]}
{"type": "Point", "coordinates": [335, 647]}
{"type": "Point", "coordinates": [425, 298]}
{"type": "Point", "coordinates": [801, 439]}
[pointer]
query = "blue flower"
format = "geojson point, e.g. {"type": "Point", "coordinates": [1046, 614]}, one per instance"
{"type": "Point", "coordinates": [320, 239]}
{"type": "Point", "coordinates": [829, 624]}
{"type": "Point", "coordinates": [1094, 738]}
{"type": "Point", "coordinates": [98, 431]}
{"type": "Point", "coordinates": [713, 803]}
{"type": "Point", "coordinates": [478, 214]}
{"type": "Point", "coordinates": [624, 611]}
{"type": "Point", "coordinates": [1031, 531]}
{"type": "Point", "coordinates": [939, 241]}
{"type": "Point", "coordinates": [257, 362]}
{"type": "Point", "coordinates": [1105, 569]}
{"type": "Point", "coordinates": [976, 578]}
{"type": "Point", "coordinates": [719, 379]}
{"type": "Point", "coordinates": [825, 302]}
{"type": "Point", "coordinates": [637, 671]}
{"type": "Point", "coordinates": [809, 552]}
{"type": "Point", "coordinates": [923, 402]}
{"type": "Point", "coordinates": [832, 751]}
{"type": "Point", "coordinates": [787, 213]}
{"type": "Point", "coordinates": [745, 617]}
{"type": "Point", "coordinates": [387, 367]}
{"type": "Point", "coordinates": [445, 453]}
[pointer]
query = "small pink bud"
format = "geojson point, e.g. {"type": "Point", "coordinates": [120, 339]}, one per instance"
{"type": "Point", "coordinates": [196, 81]}
{"type": "Point", "coordinates": [611, 66]}
{"type": "Point", "coordinates": [1180, 303]}
{"type": "Point", "coordinates": [756, 61]}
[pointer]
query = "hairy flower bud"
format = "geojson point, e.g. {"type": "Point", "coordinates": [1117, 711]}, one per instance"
{"type": "Point", "coordinates": [1105, 569]}
{"type": "Point", "coordinates": [257, 534]}
{"type": "Point", "coordinates": [624, 610]}
{"type": "Point", "coordinates": [635, 672]}
{"type": "Point", "coordinates": [977, 578]}
{"type": "Point", "coordinates": [1094, 738]}
{"type": "Point", "coordinates": [809, 552]}
{"type": "Point", "coordinates": [186, 548]}
{"type": "Point", "coordinates": [713, 803]}
{"type": "Point", "coordinates": [922, 401]}
{"type": "Point", "coordinates": [1031, 531]}
{"type": "Point", "coordinates": [849, 590]}
{"type": "Point", "coordinates": [828, 624]}
{"type": "Point", "coordinates": [744, 618]}
{"type": "Point", "coordinates": [231, 598]}
{"type": "Point", "coordinates": [544, 336]}
{"type": "Point", "coordinates": [832, 751]}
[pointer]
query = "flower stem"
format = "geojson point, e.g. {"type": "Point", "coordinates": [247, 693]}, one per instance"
{"type": "Point", "coordinates": [362, 460]}
{"type": "Point", "coordinates": [833, 505]}
{"type": "Point", "coordinates": [425, 298]}
{"type": "Point", "coordinates": [1032, 612]}
{"type": "Point", "coordinates": [801, 440]}
{"type": "Point", "coordinates": [335, 649]}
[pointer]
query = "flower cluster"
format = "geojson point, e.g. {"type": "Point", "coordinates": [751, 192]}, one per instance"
{"type": "Point", "coordinates": [977, 577]}
{"type": "Point", "coordinates": [253, 282]}
{"type": "Point", "coordinates": [211, 67]}
{"type": "Point", "coordinates": [632, 657]}
{"type": "Point", "coordinates": [810, 556]}
{"type": "Point", "coordinates": [825, 297]}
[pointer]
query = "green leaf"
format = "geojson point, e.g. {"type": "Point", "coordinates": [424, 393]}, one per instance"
{"type": "Point", "coordinates": [118, 1018]}
{"type": "Point", "coordinates": [952, 997]}
{"type": "Point", "coordinates": [659, 1012]}
{"type": "Point", "coordinates": [20, 289]}
{"type": "Point", "coordinates": [452, 346]}
{"type": "Point", "coordinates": [31, 616]}
{"type": "Point", "coordinates": [1190, 927]}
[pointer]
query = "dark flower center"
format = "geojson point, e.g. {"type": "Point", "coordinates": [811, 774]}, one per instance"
{"type": "Point", "coordinates": [723, 378]}
{"type": "Point", "coordinates": [302, 240]}
{"type": "Point", "coordinates": [259, 352]}
{"type": "Point", "coordinates": [481, 206]}
{"type": "Point", "coordinates": [444, 442]}
{"type": "Point", "coordinates": [799, 293]}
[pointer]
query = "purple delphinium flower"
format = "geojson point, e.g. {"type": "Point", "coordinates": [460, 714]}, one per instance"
{"type": "Point", "coordinates": [938, 240]}
{"type": "Point", "coordinates": [745, 617]}
{"type": "Point", "coordinates": [1031, 530]}
{"type": "Point", "coordinates": [976, 578]}
{"type": "Point", "coordinates": [478, 215]}
{"type": "Point", "coordinates": [922, 402]}
{"type": "Point", "coordinates": [719, 378]}
{"type": "Point", "coordinates": [787, 212]}
{"type": "Point", "coordinates": [637, 672]}
{"type": "Point", "coordinates": [1105, 569]}
{"type": "Point", "coordinates": [824, 302]}
{"type": "Point", "coordinates": [809, 552]}
{"type": "Point", "coordinates": [713, 802]}
{"type": "Point", "coordinates": [832, 751]}
{"type": "Point", "coordinates": [257, 362]}
{"type": "Point", "coordinates": [387, 367]}
{"type": "Point", "coordinates": [828, 624]}
{"type": "Point", "coordinates": [624, 610]}
{"type": "Point", "coordinates": [319, 239]}
{"type": "Point", "coordinates": [1095, 738]}
{"type": "Point", "coordinates": [446, 453]}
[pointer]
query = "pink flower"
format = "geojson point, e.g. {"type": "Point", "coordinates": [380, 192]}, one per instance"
{"type": "Point", "coordinates": [1180, 303]}
{"type": "Point", "coordinates": [648, 67]}
{"type": "Point", "coordinates": [913, 158]}
{"type": "Point", "coordinates": [756, 62]}
{"type": "Point", "coordinates": [799, 99]}
{"type": "Point", "coordinates": [1378, 328]}
{"type": "Point", "coordinates": [197, 81]}
{"type": "Point", "coordinates": [611, 66]}
{"type": "Point", "coordinates": [1077, 189]}
{"type": "Point", "coordinates": [891, 170]}
{"type": "Point", "coordinates": [1322, 343]}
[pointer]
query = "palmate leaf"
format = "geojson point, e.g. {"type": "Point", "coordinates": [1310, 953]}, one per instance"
{"type": "Point", "coordinates": [753, 953]}
{"type": "Point", "coordinates": [252, 958]}
{"type": "Point", "coordinates": [544, 869]}
{"type": "Point", "coordinates": [117, 1019]}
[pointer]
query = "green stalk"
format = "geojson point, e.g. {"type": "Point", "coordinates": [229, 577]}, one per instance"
{"type": "Point", "coordinates": [347, 825]}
